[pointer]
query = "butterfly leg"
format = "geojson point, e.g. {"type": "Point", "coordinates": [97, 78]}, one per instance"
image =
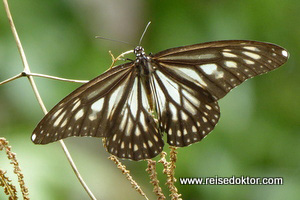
{"type": "Point", "coordinates": [120, 57]}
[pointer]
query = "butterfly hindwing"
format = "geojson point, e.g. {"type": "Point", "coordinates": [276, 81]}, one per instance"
{"type": "Point", "coordinates": [134, 134]}
{"type": "Point", "coordinates": [186, 112]}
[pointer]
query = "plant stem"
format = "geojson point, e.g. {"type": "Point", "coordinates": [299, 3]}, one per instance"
{"type": "Point", "coordinates": [33, 85]}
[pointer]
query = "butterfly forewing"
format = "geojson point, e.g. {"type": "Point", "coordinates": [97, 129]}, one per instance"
{"type": "Point", "coordinates": [174, 92]}
{"type": "Point", "coordinates": [84, 112]}
{"type": "Point", "coordinates": [220, 66]}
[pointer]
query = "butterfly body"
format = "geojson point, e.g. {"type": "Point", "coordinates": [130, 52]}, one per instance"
{"type": "Point", "coordinates": [173, 92]}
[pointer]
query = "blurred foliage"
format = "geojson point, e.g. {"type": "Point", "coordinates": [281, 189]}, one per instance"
{"type": "Point", "coordinates": [258, 134]}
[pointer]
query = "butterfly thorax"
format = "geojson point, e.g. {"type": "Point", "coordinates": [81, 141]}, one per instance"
{"type": "Point", "coordinates": [143, 62]}
{"type": "Point", "coordinates": [139, 52]}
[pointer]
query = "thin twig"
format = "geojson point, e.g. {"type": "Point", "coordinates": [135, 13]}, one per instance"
{"type": "Point", "coordinates": [57, 78]}
{"type": "Point", "coordinates": [11, 79]}
{"type": "Point", "coordinates": [33, 85]}
{"type": "Point", "coordinates": [42, 76]}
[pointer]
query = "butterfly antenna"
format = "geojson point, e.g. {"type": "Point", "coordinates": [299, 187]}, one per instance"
{"type": "Point", "coordinates": [144, 33]}
{"type": "Point", "coordinates": [114, 40]}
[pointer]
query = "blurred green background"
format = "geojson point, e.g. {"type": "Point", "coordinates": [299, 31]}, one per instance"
{"type": "Point", "coordinates": [258, 134]}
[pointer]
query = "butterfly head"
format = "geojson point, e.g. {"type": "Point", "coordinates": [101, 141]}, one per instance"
{"type": "Point", "coordinates": [139, 52]}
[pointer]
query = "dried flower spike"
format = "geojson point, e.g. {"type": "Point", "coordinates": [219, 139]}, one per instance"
{"type": "Point", "coordinates": [154, 180]}
{"type": "Point", "coordinates": [128, 176]}
{"type": "Point", "coordinates": [12, 157]}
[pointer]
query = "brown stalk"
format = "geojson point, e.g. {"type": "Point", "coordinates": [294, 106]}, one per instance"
{"type": "Point", "coordinates": [8, 187]}
{"type": "Point", "coordinates": [169, 171]}
{"type": "Point", "coordinates": [151, 169]}
{"type": "Point", "coordinates": [26, 70]}
{"type": "Point", "coordinates": [128, 176]}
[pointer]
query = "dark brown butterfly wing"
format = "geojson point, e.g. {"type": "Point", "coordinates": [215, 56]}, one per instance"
{"type": "Point", "coordinates": [220, 66]}
{"type": "Point", "coordinates": [114, 106]}
{"type": "Point", "coordinates": [76, 114]}
{"type": "Point", "coordinates": [186, 112]}
{"type": "Point", "coordinates": [135, 133]}
{"type": "Point", "coordinates": [190, 79]}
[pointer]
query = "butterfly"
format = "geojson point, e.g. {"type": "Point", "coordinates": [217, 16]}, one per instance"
{"type": "Point", "coordinates": [173, 92]}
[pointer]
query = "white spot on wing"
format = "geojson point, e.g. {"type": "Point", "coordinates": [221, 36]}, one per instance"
{"type": "Point", "coordinates": [194, 129]}
{"type": "Point", "coordinates": [173, 111]}
{"type": "Point", "coordinates": [145, 102]}
{"type": "Point", "coordinates": [208, 107]}
{"type": "Point", "coordinates": [135, 147]}
{"type": "Point", "coordinates": [56, 113]}
{"type": "Point", "coordinates": [184, 116]}
{"type": "Point", "coordinates": [192, 74]}
{"type": "Point", "coordinates": [129, 127]}
{"type": "Point", "coordinates": [171, 87]}
{"type": "Point", "coordinates": [161, 99]}
{"type": "Point", "coordinates": [77, 103]}
{"type": "Point", "coordinates": [184, 132]}
{"type": "Point", "coordinates": [191, 98]}
{"type": "Point", "coordinates": [170, 132]}
{"type": "Point", "coordinates": [155, 138]}
{"type": "Point", "coordinates": [142, 119]}
{"type": "Point", "coordinates": [249, 62]}
{"type": "Point", "coordinates": [150, 144]}
{"type": "Point", "coordinates": [284, 53]}
{"type": "Point", "coordinates": [58, 120]}
{"type": "Point", "coordinates": [229, 55]}
{"type": "Point", "coordinates": [33, 137]}
{"type": "Point", "coordinates": [252, 55]}
{"type": "Point", "coordinates": [211, 69]}
{"type": "Point", "coordinates": [79, 114]}
{"type": "Point", "coordinates": [114, 137]}
{"type": "Point", "coordinates": [230, 64]}
{"type": "Point", "coordinates": [251, 48]}
{"type": "Point", "coordinates": [190, 57]}
{"type": "Point", "coordinates": [137, 132]}
{"type": "Point", "coordinates": [97, 106]}
{"type": "Point", "coordinates": [123, 122]}
{"type": "Point", "coordinates": [133, 99]}
{"type": "Point", "coordinates": [179, 133]}
{"type": "Point", "coordinates": [93, 116]}
{"type": "Point", "coordinates": [189, 107]}
{"type": "Point", "coordinates": [64, 123]}
{"type": "Point", "coordinates": [114, 99]}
